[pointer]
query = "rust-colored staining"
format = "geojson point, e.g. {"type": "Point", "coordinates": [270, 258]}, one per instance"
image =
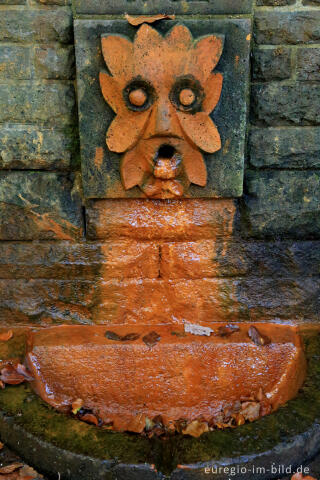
{"type": "Point", "coordinates": [140, 19]}
{"type": "Point", "coordinates": [98, 159]}
{"type": "Point", "coordinates": [165, 394]}
{"type": "Point", "coordinates": [162, 90]}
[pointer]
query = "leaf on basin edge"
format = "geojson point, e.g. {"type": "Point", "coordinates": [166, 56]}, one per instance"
{"type": "Point", "coordinates": [257, 337]}
{"type": "Point", "coordinates": [5, 336]}
{"type": "Point", "coordinates": [196, 428]}
{"type": "Point", "coordinates": [136, 21]}
{"type": "Point", "coordinates": [10, 468]}
{"type": "Point", "coordinates": [112, 335]}
{"type": "Point", "coordinates": [227, 330]}
{"type": "Point", "coordinates": [89, 418]}
{"type": "Point", "coordinates": [10, 376]}
{"type": "Point", "coordinates": [250, 411]}
{"type": "Point", "coordinates": [130, 337]}
{"type": "Point", "coordinates": [151, 339]}
{"type": "Point", "coordinates": [21, 369]}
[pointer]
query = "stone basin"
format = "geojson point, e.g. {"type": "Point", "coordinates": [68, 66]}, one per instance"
{"type": "Point", "coordinates": [179, 376]}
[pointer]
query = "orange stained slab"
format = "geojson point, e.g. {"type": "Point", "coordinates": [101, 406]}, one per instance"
{"type": "Point", "coordinates": [168, 374]}
{"type": "Point", "coordinates": [164, 220]}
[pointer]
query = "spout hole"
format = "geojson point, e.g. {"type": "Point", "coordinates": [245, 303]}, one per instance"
{"type": "Point", "coordinates": [166, 151]}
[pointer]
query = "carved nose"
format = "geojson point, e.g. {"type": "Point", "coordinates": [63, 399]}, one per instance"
{"type": "Point", "coordinates": [167, 162]}
{"type": "Point", "coordinates": [163, 121]}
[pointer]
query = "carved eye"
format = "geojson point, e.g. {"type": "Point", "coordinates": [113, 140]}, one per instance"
{"type": "Point", "coordinates": [187, 94]}
{"type": "Point", "coordinates": [139, 95]}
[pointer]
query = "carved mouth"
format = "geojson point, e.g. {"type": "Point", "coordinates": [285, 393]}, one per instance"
{"type": "Point", "coordinates": [167, 162]}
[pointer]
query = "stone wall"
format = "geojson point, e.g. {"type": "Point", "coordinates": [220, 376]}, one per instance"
{"type": "Point", "coordinates": [64, 260]}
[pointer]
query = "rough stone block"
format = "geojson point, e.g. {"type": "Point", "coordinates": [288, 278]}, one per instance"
{"type": "Point", "coordinates": [308, 64]}
{"type": "Point", "coordinates": [43, 302]}
{"type": "Point", "coordinates": [283, 203]}
{"type": "Point", "coordinates": [45, 103]}
{"type": "Point", "coordinates": [55, 62]}
{"type": "Point", "coordinates": [12, 2]}
{"type": "Point", "coordinates": [292, 147]}
{"type": "Point", "coordinates": [157, 219]}
{"type": "Point", "coordinates": [38, 205]}
{"type": "Point", "coordinates": [14, 62]}
{"type": "Point", "coordinates": [65, 260]}
{"type": "Point", "coordinates": [100, 166]}
{"type": "Point", "coordinates": [41, 26]}
{"type": "Point", "coordinates": [314, 3]}
{"type": "Point", "coordinates": [31, 147]}
{"type": "Point", "coordinates": [277, 28]}
{"type": "Point", "coordinates": [140, 7]}
{"type": "Point", "coordinates": [271, 64]}
{"type": "Point", "coordinates": [232, 258]}
{"type": "Point", "coordinates": [275, 104]}
{"type": "Point", "coordinates": [274, 3]}
{"type": "Point", "coordinates": [53, 2]}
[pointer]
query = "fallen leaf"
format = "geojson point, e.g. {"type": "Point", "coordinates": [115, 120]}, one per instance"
{"type": "Point", "coordinates": [130, 337]}
{"type": "Point", "coordinates": [136, 21]}
{"type": "Point", "coordinates": [27, 472]}
{"type": "Point", "coordinates": [76, 406]}
{"type": "Point", "coordinates": [10, 468]}
{"type": "Point", "coordinates": [5, 336]}
{"type": "Point", "coordinates": [1, 445]}
{"type": "Point", "coordinates": [89, 418]}
{"type": "Point", "coordinates": [112, 335]}
{"type": "Point", "coordinates": [227, 330]}
{"type": "Point", "coordinates": [250, 411]}
{"type": "Point", "coordinates": [239, 419]}
{"type": "Point", "coordinates": [137, 424]}
{"type": "Point", "coordinates": [21, 369]}
{"type": "Point", "coordinates": [196, 428]}
{"type": "Point", "coordinates": [10, 376]}
{"type": "Point", "coordinates": [151, 339]}
{"type": "Point", "coordinates": [257, 337]}
{"type": "Point", "coordinates": [260, 395]}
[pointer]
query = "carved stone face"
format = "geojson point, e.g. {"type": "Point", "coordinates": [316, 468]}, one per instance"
{"type": "Point", "coordinates": [162, 90]}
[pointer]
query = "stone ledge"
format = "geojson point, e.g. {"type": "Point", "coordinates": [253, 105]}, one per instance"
{"type": "Point", "coordinates": [141, 7]}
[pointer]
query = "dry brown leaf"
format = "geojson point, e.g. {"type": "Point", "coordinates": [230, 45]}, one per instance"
{"type": "Point", "coordinates": [139, 20]}
{"type": "Point", "coordinates": [21, 370]}
{"type": "Point", "coordinates": [90, 418]}
{"type": "Point", "coordinates": [76, 405]}
{"type": "Point", "coordinates": [112, 336]}
{"type": "Point", "coordinates": [10, 468]}
{"type": "Point", "coordinates": [250, 411]}
{"type": "Point", "coordinates": [151, 339]}
{"type": "Point", "coordinates": [5, 336]}
{"type": "Point", "coordinates": [10, 376]}
{"type": "Point", "coordinates": [1, 445]}
{"type": "Point", "coordinates": [227, 330]}
{"type": "Point", "coordinates": [257, 337]}
{"type": "Point", "coordinates": [196, 428]}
